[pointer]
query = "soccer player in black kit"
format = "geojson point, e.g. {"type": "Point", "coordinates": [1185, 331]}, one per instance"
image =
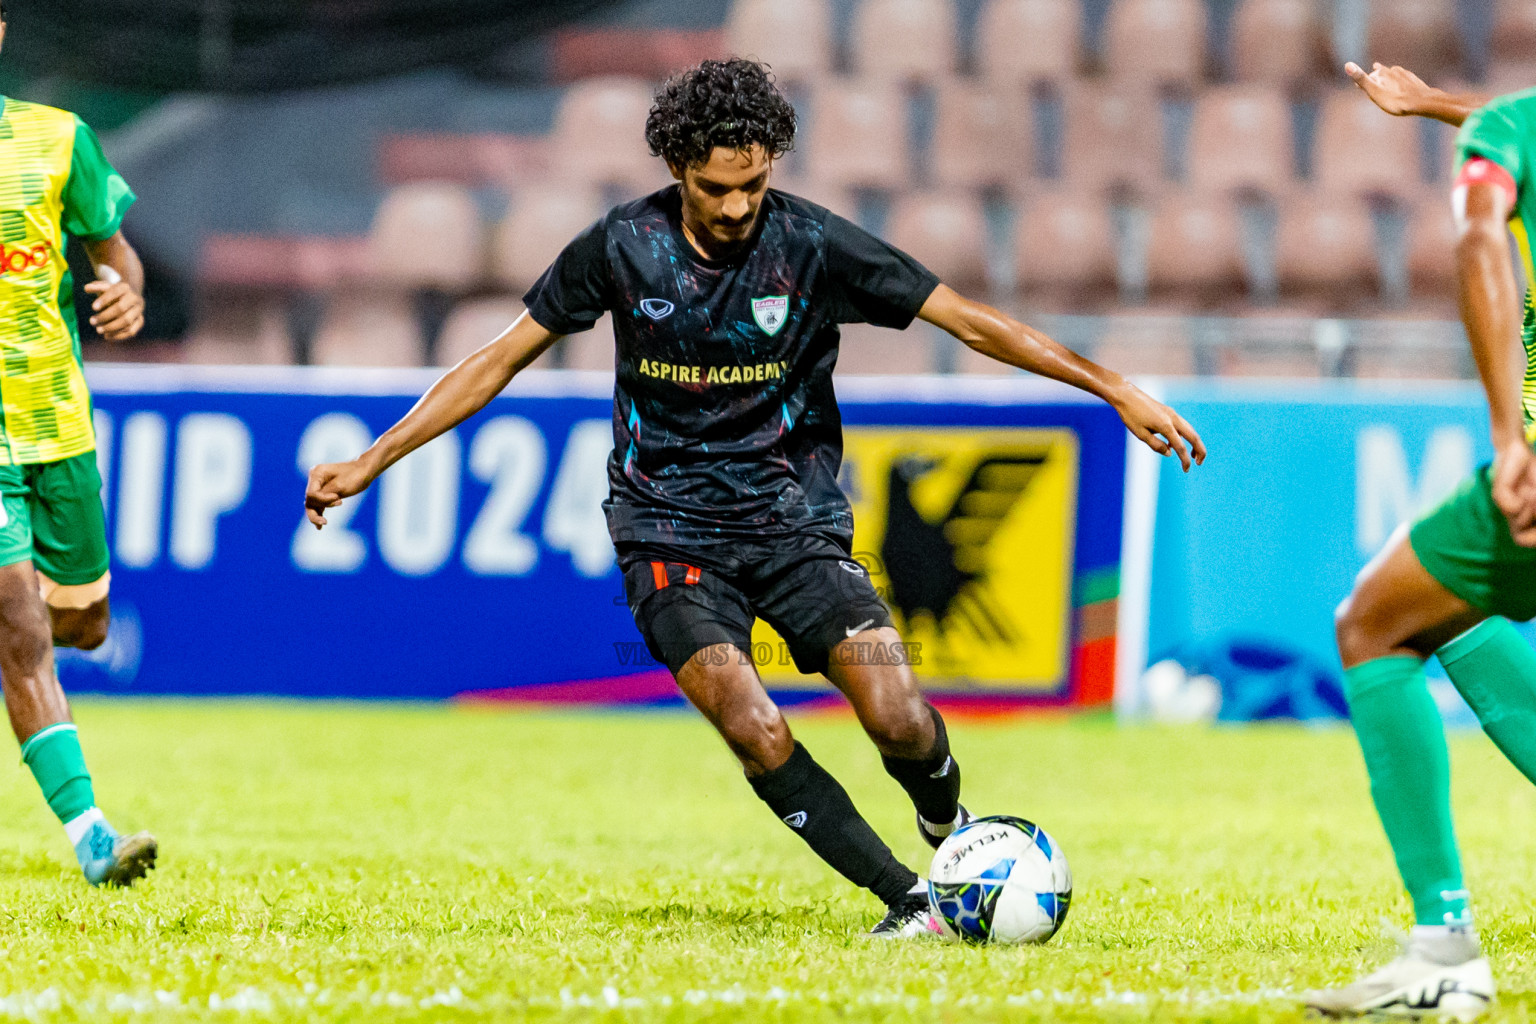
{"type": "Point", "coordinates": [726, 298]}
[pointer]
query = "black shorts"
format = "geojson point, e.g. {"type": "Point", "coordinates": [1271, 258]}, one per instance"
{"type": "Point", "coordinates": [807, 587]}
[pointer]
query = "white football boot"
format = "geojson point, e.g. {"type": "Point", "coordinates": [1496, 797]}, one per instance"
{"type": "Point", "coordinates": [908, 918]}
{"type": "Point", "coordinates": [1441, 972]}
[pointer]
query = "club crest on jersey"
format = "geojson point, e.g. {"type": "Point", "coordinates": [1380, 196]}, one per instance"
{"type": "Point", "coordinates": [770, 312]}
{"type": "Point", "coordinates": [656, 309]}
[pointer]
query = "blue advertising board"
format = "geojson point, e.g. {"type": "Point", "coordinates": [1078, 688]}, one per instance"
{"type": "Point", "coordinates": [480, 563]}
{"type": "Point", "coordinates": [1304, 484]}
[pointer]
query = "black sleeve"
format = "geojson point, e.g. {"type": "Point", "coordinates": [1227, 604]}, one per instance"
{"type": "Point", "coordinates": [572, 294]}
{"type": "Point", "coordinates": [873, 282]}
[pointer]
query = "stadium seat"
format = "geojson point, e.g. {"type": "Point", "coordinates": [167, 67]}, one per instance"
{"type": "Point", "coordinates": [1156, 42]}
{"type": "Point", "coordinates": [1278, 42]}
{"type": "Point", "coordinates": [1360, 150]}
{"type": "Point", "coordinates": [1064, 249]}
{"type": "Point", "coordinates": [1514, 31]}
{"type": "Point", "coordinates": [1242, 140]}
{"type": "Point", "coordinates": [231, 330]}
{"type": "Point", "coordinates": [590, 350]}
{"type": "Point", "coordinates": [368, 329]}
{"type": "Point", "coordinates": [858, 136]}
{"type": "Point", "coordinates": [580, 51]}
{"type": "Point", "coordinates": [541, 220]}
{"type": "Point", "coordinates": [793, 36]}
{"type": "Point", "coordinates": [947, 233]}
{"type": "Point", "coordinates": [1432, 249]}
{"type": "Point", "coordinates": [1393, 358]}
{"type": "Point", "coordinates": [904, 40]}
{"type": "Point", "coordinates": [1506, 76]}
{"type": "Point", "coordinates": [473, 323]}
{"type": "Point", "coordinates": [1325, 248]}
{"type": "Point", "coordinates": [1419, 34]}
{"type": "Point", "coordinates": [1113, 138]}
{"type": "Point", "coordinates": [1022, 42]}
{"type": "Point", "coordinates": [1194, 253]}
{"type": "Point", "coordinates": [1139, 345]}
{"type": "Point", "coordinates": [1297, 360]}
{"type": "Point", "coordinates": [599, 136]}
{"type": "Point", "coordinates": [427, 235]}
{"type": "Point", "coordinates": [981, 137]}
{"type": "Point", "coordinates": [866, 348]}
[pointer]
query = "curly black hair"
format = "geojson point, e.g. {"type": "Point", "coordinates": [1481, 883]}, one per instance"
{"type": "Point", "coordinates": [731, 103]}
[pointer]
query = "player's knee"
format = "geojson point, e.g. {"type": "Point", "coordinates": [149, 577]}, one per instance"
{"type": "Point", "coordinates": [1351, 629]}
{"type": "Point", "coordinates": [84, 634]}
{"type": "Point", "coordinates": [902, 728]}
{"type": "Point", "coordinates": [758, 736]}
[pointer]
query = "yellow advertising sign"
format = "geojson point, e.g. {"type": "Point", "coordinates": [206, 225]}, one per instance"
{"type": "Point", "coordinates": [968, 536]}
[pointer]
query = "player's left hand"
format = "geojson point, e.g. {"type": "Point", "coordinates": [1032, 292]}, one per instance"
{"type": "Point", "coordinates": [1159, 427]}
{"type": "Point", "coordinates": [1514, 490]}
{"type": "Point", "coordinates": [118, 311]}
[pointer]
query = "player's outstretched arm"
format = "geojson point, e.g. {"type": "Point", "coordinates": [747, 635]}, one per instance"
{"type": "Point", "coordinates": [117, 311]}
{"type": "Point", "coordinates": [995, 334]}
{"type": "Point", "coordinates": [1402, 93]}
{"type": "Point", "coordinates": [457, 395]}
{"type": "Point", "coordinates": [1490, 309]}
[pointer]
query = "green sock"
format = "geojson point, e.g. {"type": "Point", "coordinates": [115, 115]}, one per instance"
{"type": "Point", "coordinates": [1495, 670]}
{"type": "Point", "coordinates": [1404, 745]}
{"type": "Point", "coordinates": [53, 754]}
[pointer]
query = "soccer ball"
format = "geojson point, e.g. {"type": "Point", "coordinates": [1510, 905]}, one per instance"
{"type": "Point", "coordinates": [999, 879]}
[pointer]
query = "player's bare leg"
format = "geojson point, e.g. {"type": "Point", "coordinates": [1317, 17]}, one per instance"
{"type": "Point", "coordinates": [873, 672]}
{"type": "Point", "coordinates": [84, 628]}
{"type": "Point", "coordinates": [1397, 616]}
{"type": "Point", "coordinates": [722, 682]}
{"type": "Point", "coordinates": [40, 718]}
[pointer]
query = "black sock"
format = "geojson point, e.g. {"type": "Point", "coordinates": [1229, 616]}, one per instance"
{"type": "Point", "coordinates": [933, 782]}
{"type": "Point", "coordinates": [814, 804]}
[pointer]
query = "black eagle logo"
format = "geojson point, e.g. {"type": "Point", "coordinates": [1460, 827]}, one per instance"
{"type": "Point", "coordinates": [937, 568]}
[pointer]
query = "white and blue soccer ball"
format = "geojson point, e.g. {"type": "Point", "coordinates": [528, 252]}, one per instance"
{"type": "Point", "coordinates": [999, 879]}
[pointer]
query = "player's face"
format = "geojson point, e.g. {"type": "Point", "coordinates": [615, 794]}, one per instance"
{"type": "Point", "coordinates": [721, 196]}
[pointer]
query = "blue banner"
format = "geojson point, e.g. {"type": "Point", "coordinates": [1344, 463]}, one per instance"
{"type": "Point", "coordinates": [1303, 486]}
{"type": "Point", "coordinates": [481, 562]}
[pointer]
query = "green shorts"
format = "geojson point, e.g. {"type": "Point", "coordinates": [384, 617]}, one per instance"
{"type": "Point", "coordinates": [51, 513]}
{"type": "Point", "coordinates": [1466, 546]}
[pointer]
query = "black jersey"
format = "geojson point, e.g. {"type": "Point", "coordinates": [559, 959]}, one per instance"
{"type": "Point", "coordinates": [724, 419]}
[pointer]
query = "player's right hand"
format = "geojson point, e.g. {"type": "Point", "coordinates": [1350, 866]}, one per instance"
{"type": "Point", "coordinates": [329, 483]}
{"type": "Point", "coordinates": [1396, 90]}
{"type": "Point", "coordinates": [1514, 490]}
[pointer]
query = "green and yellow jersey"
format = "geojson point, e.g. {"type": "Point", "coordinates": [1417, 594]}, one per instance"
{"type": "Point", "coordinates": [55, 182]}
{"type": "Point", "coordinates": [1504, 132]}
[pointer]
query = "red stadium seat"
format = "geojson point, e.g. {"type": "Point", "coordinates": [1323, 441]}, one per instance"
{"type": "Point", "coordinates": [1064, 249]}
{"type": "Point", "coordinates": [1418, 34]}
{"type": "Point", "coordinates": [232, 330]}
{"type": "Point", "coordinates": [1514, 31]}
{"type": "Point", "coordinates": [1156, 42]}
{"type": "Point", "coordinates": [1325, 248]}
{"type": "Point", "coordinates": [1153, 346]}
{"type": "Point", "coordinates": [1242, 140]}
{"type": "Point", "coordinates": [1432, 250]}
{"type": "Point", "coordinates": [904, 40]}
{"type": "Point", "coordinates": [1278, 42]}
{"type": "Point", "coordinates": [866, 348]}
{"type": "Point", "coordinates": [981, 137]}
{"type": "Point", "coordinates": [1112, 138]}
{"type": "Point", "coordinates": [858, 136]}
{"type": "Point", "coordinates": [368, 329]}
{"type": "Point", "coordinates": [1021, 42]}
{"type": "Point", "coordinates": [793, 36]}
{"type": "Point", "coordinates": [947, 233]}
{"type": "Point", "coordinates": [427, 235]}
{"type": "Point", "coordinates": [540, 221]}
{"type": "Point", "coordinates": [1195, 250]}
{"type": "Point", "coordinates": [590, 350]}
{"type": "Point", "coordinates": [1360, 150]}
{"type": "Point", "coordinates": [473, 324]}
{"type": "Point", "coordinates": [583, 52]}
{"type": "Point", "coordinates": [599, 136]}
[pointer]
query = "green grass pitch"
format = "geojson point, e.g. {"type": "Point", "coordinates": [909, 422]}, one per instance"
{"type": "Point", "coordinates": [340, 862]}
